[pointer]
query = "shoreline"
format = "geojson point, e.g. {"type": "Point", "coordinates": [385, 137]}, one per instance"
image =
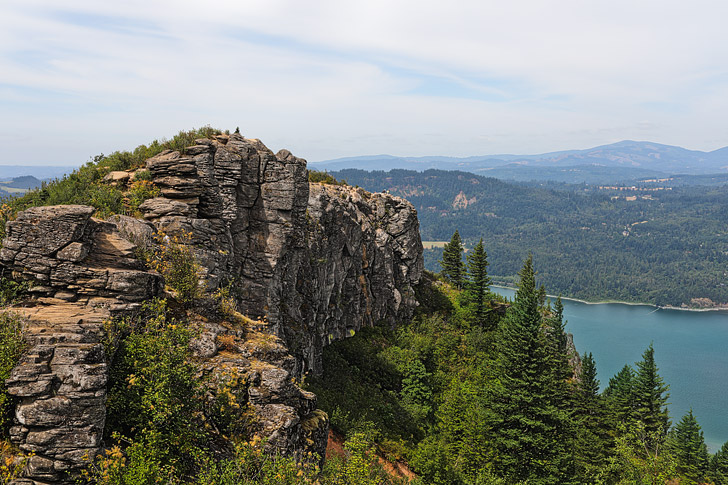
{"type": "Point", "coordinates": [607, 302]}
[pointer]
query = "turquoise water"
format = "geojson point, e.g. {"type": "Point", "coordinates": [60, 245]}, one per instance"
{"type": "Point", "coordinates": [691, 350]}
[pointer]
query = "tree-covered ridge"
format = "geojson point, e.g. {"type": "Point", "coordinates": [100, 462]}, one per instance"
{"type": "Point", "coordinates": [666, 247]}
{"type": "Point", "coordinates": [462, 400]}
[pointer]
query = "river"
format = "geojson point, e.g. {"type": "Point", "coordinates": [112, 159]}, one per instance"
{"type": "Point", "coordinates": [691, 351]}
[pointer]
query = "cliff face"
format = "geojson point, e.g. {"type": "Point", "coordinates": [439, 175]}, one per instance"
{"type": "Point", "coordinates": [318, 262]}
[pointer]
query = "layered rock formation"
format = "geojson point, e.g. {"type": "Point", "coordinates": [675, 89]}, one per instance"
{"type": "Point", "coordinates": [318, 262]}
{"type": "Point", "coordinates": [84, 273]}
{"type": "Point", "coordinates": [315, 262]}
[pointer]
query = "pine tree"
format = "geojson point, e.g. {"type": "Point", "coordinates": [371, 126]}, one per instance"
{"type": "Point", "coordinates": [453, 268]}
{"type": "Point", "coordinates": [478, 282]}
{"type": "Point", "coordinates": [719, 466]}
{"type": "Point", "coordinates": [650, 395]}
{"type": "Point", "coordinates": [688, 447]}
{"type": "Point", "coordinates": [531, 430]}
{"type": "Point", "coordinates": [592, 439]}
{"type": "Point", "coordinates": [619, 396]}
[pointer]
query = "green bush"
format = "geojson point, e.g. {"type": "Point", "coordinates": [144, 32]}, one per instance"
{"type": "Point", "coordinates": [140, 191]}
{"type": "Point", "coordinates": [155, 396]}
{"type": "Point", "coordinates": [175, 260]}
{"type": "Point", "coordinates": [317, 176]}
{"type": "Point", "coordinates": [12, 345]}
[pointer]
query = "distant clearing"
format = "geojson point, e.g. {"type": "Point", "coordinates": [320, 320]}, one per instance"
{"type": "Point", "coordinates": [433, 244]}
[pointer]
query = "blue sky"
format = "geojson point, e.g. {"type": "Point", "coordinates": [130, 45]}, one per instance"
{"type": "Point", "coordinates": [328, 79]}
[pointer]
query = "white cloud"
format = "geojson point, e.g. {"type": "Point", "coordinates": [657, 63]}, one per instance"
{"type": "Point", "coordinates": [333, 78]}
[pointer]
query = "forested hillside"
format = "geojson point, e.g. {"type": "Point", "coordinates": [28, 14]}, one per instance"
{"type": "Point", "coordinates": [502, 398]}
{"type": "Point", "coordinates": [652, 243]}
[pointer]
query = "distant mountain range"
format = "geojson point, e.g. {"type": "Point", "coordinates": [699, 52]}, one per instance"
{"type": "Point", "coordinates": [619, 162]}
{"type": "Point", "coordinates": [42, 172]}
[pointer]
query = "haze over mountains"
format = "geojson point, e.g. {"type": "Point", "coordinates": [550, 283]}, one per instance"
{"type": "Point", "coordinates": [623, 161]}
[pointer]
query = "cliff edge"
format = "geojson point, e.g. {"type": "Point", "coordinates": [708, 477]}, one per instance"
{"type": "Point", "coordinates": [313, 262]}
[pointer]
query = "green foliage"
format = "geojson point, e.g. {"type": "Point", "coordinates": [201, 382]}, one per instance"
{"type": "Point", "coordinates": [174, 258]}
{"type": "Point", "coordinates": [140, 191]}
{"type": "Point", "coordinates": [719, 466]}
{"type": "Point", "coordinates": [12, 345]}
{"type": "Point", "coordinates": [11, 291]}
{"type": "Point", "coordinates": [687, 445]}
{"type": "Point", "coordinates": [453, 268]}
{"type": "Point", "coordinates": [477, 284]}
{"type": "Point", "coordinates": [529, 403]}
{"type": "Point", "coordinates": [593, 443]}
{"type": "Point", "coordinates": [250, 465]}
{"type": "Point", "coordinates": [361, 388]}
{"type": "Point", "coordinates": [577, 234]}
{"type": "Point", "coordinates": [155, 397]}
{"type": "Point", "coordinates": [316, 176]}
{"type": "Point", "coordinates": [640, 457]}
{"type": "Point", "coordinates": [618, 396]}
{"type": "Point", "coordinates": [361, 466]}
{"type": "Point", "coordinates": [650, 396]}
{"type": "Point", "coordinates": [139, 463]}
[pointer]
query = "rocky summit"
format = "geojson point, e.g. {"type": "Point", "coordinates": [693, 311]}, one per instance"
{"type": "Point", "coordinates": [312, 263]}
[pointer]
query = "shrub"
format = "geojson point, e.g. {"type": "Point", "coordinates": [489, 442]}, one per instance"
{"type": "Point", "coordinates": [140, 191]}
{"type": "Point", "coordinates": [12, 462]}
{"type": "Point", "coordinates": [251, 464]}
{"type": "Point", "coordinates": [155, 396]}
{"type": "Point", "coordinates": [317, 176]}
{"type": "Point", "coordinates": [11, 291]}
{"type": "Point", "coordinates": [12, 345]}
{"type": "Point", "coordinates": [175, 260]}
{"type": "Point", "coordinates": [138, 464]}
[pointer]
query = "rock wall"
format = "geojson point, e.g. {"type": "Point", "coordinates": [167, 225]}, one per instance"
{"type": "Point", "coordinates": [84, 273]}
{"type": "Point", "coordinates": [317, 262]}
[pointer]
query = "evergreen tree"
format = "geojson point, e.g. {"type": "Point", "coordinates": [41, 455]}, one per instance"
{"type": "Point", "coordinates": [650, 395]}
{"type": "Point", "coordinates": [531, 432]}
{"type": "Point", "coordinates": [688, 447]}
{"type": "Point", "coordinates": [719, 466]}
{"type": "Point", "coordinates": [478, 282]}
{"type": "Point", "coordinates": [618, 397]}
{"type": "Point", "coordinates": [453, 268]}
{"type": "Point", "coordinates": [592, 439]}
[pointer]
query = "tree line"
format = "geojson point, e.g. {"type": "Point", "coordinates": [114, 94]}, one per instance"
{"type": "Point", "coordinates": [491, 392]}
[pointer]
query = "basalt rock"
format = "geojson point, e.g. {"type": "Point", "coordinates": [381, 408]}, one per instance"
{"type": "Point", "coordinates": [311, 263]}
{"type": "Point", "coordinates": [318, 261]}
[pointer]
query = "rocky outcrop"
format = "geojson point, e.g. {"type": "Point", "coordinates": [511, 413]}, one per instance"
{"type": "Point", "coordinates": [84, 273]}
{"type": "Point", "coordinates": [317, 261]}
{"type": "Point", "coordinates": [310, 263]}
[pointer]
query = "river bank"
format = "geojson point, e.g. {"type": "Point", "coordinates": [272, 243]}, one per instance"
{"type": "Point", "coordinates": [719, 308]}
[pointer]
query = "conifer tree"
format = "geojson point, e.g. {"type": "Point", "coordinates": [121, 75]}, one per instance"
{"type": "Point", "coordinates": [688, 447]}
{"type": "Point", "coordinates": [453, 268]}
{"type": "Point", "coordinates": [619, 396]}
{"type": "Point", "coordinates": [719, 466]}
{"type": "Point", "coordinates": [478, 282]}
{"type": "Point", "coordinates": [531, 432]}
{"type": "Point", "coordinates": [592, 440]}
{"type": "Point", "coordinates": [650, 395]}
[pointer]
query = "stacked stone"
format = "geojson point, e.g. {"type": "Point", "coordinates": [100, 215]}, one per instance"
{"type": "Point", "coordinates": [70, 256]}
{"type": "Point", "coordinates": [61, 382]}
{"type": "Point", "coordinates": [83, 271]}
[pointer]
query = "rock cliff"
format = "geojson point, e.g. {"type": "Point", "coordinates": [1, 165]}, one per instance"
{"type": "Point", "coordinates": [315, 262]}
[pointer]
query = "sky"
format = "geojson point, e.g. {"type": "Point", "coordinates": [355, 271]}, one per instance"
{"type": "Point", "coordinates": [329, 79]}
